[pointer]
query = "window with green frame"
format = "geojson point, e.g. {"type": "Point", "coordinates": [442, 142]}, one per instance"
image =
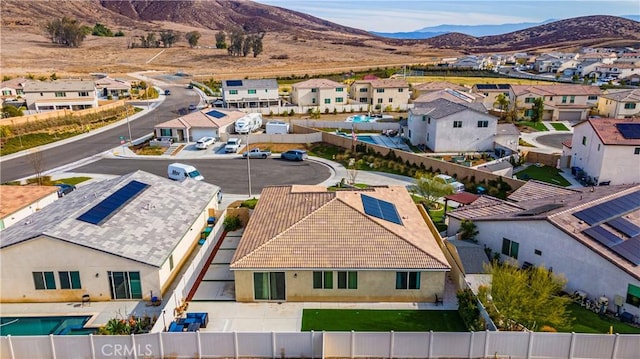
{"type": "Point", "coordinates": [233, 92]}
{"type": "Point", "coordinates": [165, 132]}
{"type": "Point", "coordinates": [251, 92]}
{"type": "Point", "coordinates": [339, 99]}
{"type": "Point", "coordinates": [633, 295]}
{"type": "Point", "coordinates": [69, 280]}
{"type": "Point", "coordinates": [629, 106]}
{"type": "Point", "coordinates": [44, 280]}
{"type": "Point", "coordinates": [322, 280]}
{"type": "Point", "coordinates": [510, 248]}
{"type": "Point", "coordinates": [125, 285]}
{"type": "Point", "coordinates": [347, 280]}
{"type": "Point", "coordinates": [407, 280]}
{"type": "Point", "coordinates": [327, 100]}
{"type": "Point", "coordinates": [339, 89]}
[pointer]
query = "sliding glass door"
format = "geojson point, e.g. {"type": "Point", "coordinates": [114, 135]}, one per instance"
{"type": "Point", "coordinates": [269, 286]}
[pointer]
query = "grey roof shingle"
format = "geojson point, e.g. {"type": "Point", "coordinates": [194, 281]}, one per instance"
{"type": "Point", "coordinates": [145, 230]}
{"type": "Point", "coordinates": [252, 84]}
{"type": "Point", "coordinates": [441, 108]}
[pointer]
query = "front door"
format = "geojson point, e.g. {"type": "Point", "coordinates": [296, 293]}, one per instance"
{"type": "Point", "coordinates": [269, 286]}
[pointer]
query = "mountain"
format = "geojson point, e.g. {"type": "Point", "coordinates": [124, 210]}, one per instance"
{"type": "Point", "coordinates": [409, 35]}
{"type": "Point", "coordinates": [631, 17]}
{"type": "Point", "coordinates": [472, 30]}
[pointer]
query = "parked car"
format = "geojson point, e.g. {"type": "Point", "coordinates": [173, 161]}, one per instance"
{"type": "Point", "coordinates": [205, 142]}
{"type": "Point", "coordinates": [294, 155]}
{"type": "Point", "coordinates": [192, 107]}
{"type": "Point", "coordinates": [457, 186]}
{"type": "Point", "coordinates": [233, 145]}
{"type": "Point", "coordinates": [64, 189]}
{"type": "Point", "coordinates": [256, 153]}
{"type": "Point", "coordinates": [167, 92]}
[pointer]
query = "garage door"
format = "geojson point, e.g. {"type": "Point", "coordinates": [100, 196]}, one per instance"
{"type": "Point", "coordinates": [570, 116]}
{"type": "Point", "coordinates": [197, 133]}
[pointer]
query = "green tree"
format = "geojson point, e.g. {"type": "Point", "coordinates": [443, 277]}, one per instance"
{"type": "Point", "coordinates": [11, 111]}
{"type": "Point", "coordinates": [101, 30]}
{"type": "Point", "coordinates": [468, 230]}
{"type": "Point", "coordinates": [119, 34]}
{"type": "Point", "coordinates": [502, 103]}
{"type": "Point", "coordinates": [192, 38]}
{"type": "Point", "coordinates": [221, 38]}
{"type": "Point", "coordinates": [531, 297]}
{"type": "Point", "coordinates": [431, 188]}
{"type": "Point", "coordinates": [538, 110]}
{"type": "Point", "coordinates": [236, 40]}
{"type": "Point", "coordinates": [168, 38]}
{"type": "Point", "coordinates": [66, 31]}
{"type": "Point", "coordinates": [53, 77]}
{"type": "Point", "coordinates": [256, 44]}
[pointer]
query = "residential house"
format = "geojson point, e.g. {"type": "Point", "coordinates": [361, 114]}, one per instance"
{"type": "Point", "coordinates": [451, 95]}
{"type": "Point", "coordinates": [619, 103]}
{"type": "Point", "coordinates": [433, 86]}
{"type": "Point", "coordinates": [204, 123]}
{"type": "Point", "coordinates": [18, 202]}
{"type": "Point", "coordinates": [506, 139]}
{"type": "Point", "coordinates": [309, 244]}
{"type": "Point", "coordinates": [491, 92]}
{"type": "Point", "coordinates": [319, 92]}
{"type": "Point", "coordinates": [470, 62]}
{"type": "Point", "coordinates": [470, 264]}
{"type": "Point", "coordinates": [629, 57]}
{"type": "Point", "coordinates": [561, 102]}
{"type": "Point", "coordinates": [583, 235]}
{"type": "Point", "coordinates": [447, 126]}
{"type": "Point", "coordinates": [114, 88]}
{"type": "Point", "coordinates": [608, 150]}
{"type": "Point", "coordinates": [12, 88]}
{"type": "Point", "coordinates": [501, 168]}
{"type": "Point", "coordinates": [250, 93]}
{"type": "Point", "coordinates": [615, 70]}
{"type": "Point", "coordinates": [382, 94]}
{"type": "Point", "coordinates": [602, 57]}
{"type": "Point", "coordinates": [60, 94]}
{"type": "Point", "coordinates": [122, 238]}
{"type": "Point", "coordinates": [552, 62]}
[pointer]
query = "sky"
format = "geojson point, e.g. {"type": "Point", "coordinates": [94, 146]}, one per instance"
{"type": "Point", "coordinates": [412, 15]}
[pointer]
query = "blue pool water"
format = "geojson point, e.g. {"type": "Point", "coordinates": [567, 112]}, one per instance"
{"type": "Point", "coordinates": [361, 119]}
{"type": "Point", "coordinates": [365, 138]}
{"type": "Point", "coordinates": [44, 325]}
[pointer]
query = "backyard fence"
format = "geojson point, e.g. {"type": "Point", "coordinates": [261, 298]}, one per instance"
{"type": "Point", "coordinates": [325, 345]}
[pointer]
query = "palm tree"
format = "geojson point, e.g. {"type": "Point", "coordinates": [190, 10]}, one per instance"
{"type": "Point", "coordinates": [502, 103]}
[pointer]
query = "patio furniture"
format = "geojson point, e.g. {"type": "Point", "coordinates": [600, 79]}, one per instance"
{"type": "Point", "coordinates": [175, 327]}
{"type": "Point", "coordinates": [86, 299]}
{"type": "Point", "coordinates": [202, 318]}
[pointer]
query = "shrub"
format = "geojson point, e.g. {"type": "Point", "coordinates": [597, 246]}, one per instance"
{"type": "Point", "coordinates": [468, 309]}
{"type": "Point", "coordinates": [232, 223]}
{"type": "Point", "coordinates": [250, 203]}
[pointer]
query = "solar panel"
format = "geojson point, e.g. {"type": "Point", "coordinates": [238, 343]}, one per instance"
{"type": "Point", "coordinates": [380, 209]}
{"type": "Point", "coordinates": [233, 83]}
{"type": "Point", "coordinates": [629, 131]}
{"type": "Point", "coordinates": [110, 205]}
{"type": "Point", "coordinates": [216, 114]}
{"type": "Point", "coordinates": [486, 87]}
{"type": "Point", "coordinates": [610, 209]}
{"type": "Point", "coordinates": [629, 250]}
{"type": "Point", "coordinates": [603, 236]}
{"type": "Point", "coordinates": [624, 226]}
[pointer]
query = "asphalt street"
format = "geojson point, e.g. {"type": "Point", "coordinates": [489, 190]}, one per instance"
{"type": "Point", "coordinates": [230, 174]}
{"type": "Point", "coordinates": [554, 140]}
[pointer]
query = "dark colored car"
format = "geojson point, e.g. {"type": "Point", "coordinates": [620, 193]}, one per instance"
{"type": "Point", "coordinates": [65, 189]}
{"type": "Point", "coordinates": [294, 155]}
{"type": "Point", "coordinates": [192, 107]}
{"type": "Point", "coordinates": [167, 92]}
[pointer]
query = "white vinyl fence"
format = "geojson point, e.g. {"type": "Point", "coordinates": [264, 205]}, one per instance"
{"type": "Point", "coordinates": [325, 345]}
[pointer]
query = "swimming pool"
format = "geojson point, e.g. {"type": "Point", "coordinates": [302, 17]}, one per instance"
{"type": "Point", "coordinates": [44, 325]}
{"type": "Point", "coordinates": [367, 118]}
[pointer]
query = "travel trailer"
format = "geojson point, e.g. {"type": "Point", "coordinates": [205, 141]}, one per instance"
{"type": "Point", "coordinates": [249, 123]}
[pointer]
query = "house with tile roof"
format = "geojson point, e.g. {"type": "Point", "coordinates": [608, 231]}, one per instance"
{"type": "Point", "coordinates": [381, 94]}
{"type": "Point", "coordinates": [433, 86]}
{"type": "Point", "coordinates": [12, 88]}
{"type": "Point", "coordinates": [451, 95]}
{"type": "Point", "coordinates": [60, 94]}
{"type": "Point", "coordinates": [249, 93]}
{"type": "Point", "coordinates": [561, 102]}
{"type": "Point", "coordinates": [203, 123]}
{"type": "Point", "coordinates": [606, 149]}
{"type": "Point", "coordinates": [446, 126]}
{"type": "Point", "coordinates": [591, 236]}
{"type": "Point", "coordinates": [116, 88]}
{"type": "Point", "coordinates": [18, 202]}
{"type": "Point", "coordinates": [616, 70]}
{"type": "Point", "coordinates": [306, 243]}
{"type": "Point", "coordinates": [122, 238]}
{"type": "Point", "coordinates": [490, 92]}
{"type": "Point", "coordinates": [619, 103]}
{"type": "Point", "coordinates": [323, 93]}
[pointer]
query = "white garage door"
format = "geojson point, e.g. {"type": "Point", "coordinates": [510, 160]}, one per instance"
{"type": "Point", "coordinates": [570, 116]}
{"type": "Point", "coordinates": [197, 133]}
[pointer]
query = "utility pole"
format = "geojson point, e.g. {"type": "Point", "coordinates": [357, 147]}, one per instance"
{"type": "Point", "coordinates": [248, 165]}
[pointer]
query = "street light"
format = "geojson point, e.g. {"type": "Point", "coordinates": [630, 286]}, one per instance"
{"type": "Point", "coordinates": [128, 125]}
{"type": "Point", "coordinates": [248, 164]}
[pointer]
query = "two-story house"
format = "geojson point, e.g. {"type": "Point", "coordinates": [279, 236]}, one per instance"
{"type": "Point", "coordinates": [608, 150]}
{"type": "Point", "coordinates": [561, 102]}
{"type": "Point", "coordinates": [490, 92]}
{"type": "Point", "coordinates": [616, 70]}
{"type": "Point", "coordinates": [427, 87]}
{"type": "Point", "coordinates": [60, 94]}
{"type": "Point", "coordinates": [12, 88]}
{"type": "Point", "coordinates": [319, 92]}
{"type": "Point", "coordinates": [553, 62]}
{"type": "Point", "coordinates": [619, 104]}
{"type": "Point", "coordinates": [250, 93]}
{"type": "Point", "coordinates": [381, 94]}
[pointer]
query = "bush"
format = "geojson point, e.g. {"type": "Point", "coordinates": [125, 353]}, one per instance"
{"type": "Point", "coordinates": [250, 203]}
{"type": "Point", "coordinates": [468, 309]}
{"type": "Point", "coordinates": [232, 223]}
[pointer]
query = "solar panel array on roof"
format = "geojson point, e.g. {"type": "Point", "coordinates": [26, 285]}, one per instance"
{"type": "Point", "coordinates": [610, 209]}
{"type": "Point", "coordinates": [232, 83]}
{"type": "Point", "coordinates": [629, 229]}
{"type": "Point", "coordinates": [110, 205]}
{"type": "Point", "coordinates": [629, 250]}
{"type": "Point", "coordinates": [603, 236]}
{"type": "Point", "coordinates": [380, 209]}
{"type": "Point", "coordinates": [216, 114]}
{"type": "Point", "coordinates": [630, 131]}
{"type": "Point", "coordinates": [492, 86]}
{"type": "Point", "coordinates": [540, 209]}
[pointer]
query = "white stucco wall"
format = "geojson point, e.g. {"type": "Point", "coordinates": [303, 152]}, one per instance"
{"type": "Point", "coordinates": [417, 125]}
{"type": "Point", "coordinates": [620, 164]}
{"type": "Point", "coordinates": [24, 212]}
{"type": "Point", "coordinates": [469, 137]}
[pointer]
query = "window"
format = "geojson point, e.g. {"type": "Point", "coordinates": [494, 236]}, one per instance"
{"type": "Point", "coordinates": [400, 90]}
{"type": "Point", "coordinates": [347, 280]}
{"type": "Point", "coordinates": [529, 100]}
{"type": "Point", "coordinates": [6, 92]}
{"type": "Point", "coordinates": [483, 123]}
{"type": "Point", "coordinates": [636, 151]}
{"type": "Point", "coordinates": [390, 99]}
{"type": "Point", "coordinates": [251, 91]}
{"type": "Point", "coordinates": [125, 285]}
{"type": "Point", "coordinates": [165, 132]}
{"type": "Point", "coordinates": [380, 90]}
{"type": "Point", "coordinates": [233, 92]}
{"type": "Point", "coordinates": [528, 113]}
{"type": "Point", "coordinates": [592, 98]}
{"type": "Point", "coordinates": [537, 252]}
{"type": "Point", "coordinates": [572, 99]}
{"type": "Point", "coordinates": [61, 94]}
{"type": "Point", "coordinates": [327, 100]}
{"type": "Point", "coordinates": [322, 280]}
{"type": "Point", "coordinates": [339, 99]}
{"type": "Point", "coordinates": [550, 98]}
{"type": "Point", "coordinates": [407, 280]}
{"type": "Point", "coordinates": [69, 280]}
{"type": "Point", "coordinates": [269, 285]}
{"type": "Point", "coordinates": [584, 140]}
{"type": "Point", "coordinates": [339, 89]}
{"type": "Point", "coordinates": [457, 124]}
{"type": "Point", "coordinates": [427, 136]}
{"type": "Point", "coordinates": [364, 89]}
{"type": "Point", "coordinates": [564, 99]}
{"type": "Point", "coordinates": [83, 94]}
{"type": "Point", "coordinates": [598, 147]}
{"type": "Point", "coordinates": [44, 280]}
{"type": "Point", "coordinates": [171, 262]}
{"type": "Point", "coordinates": [633, 295]}
{"type": "Point", "coordinates": [379, 100]}
{"type": "Point", "coordinates": [510, 248]}
{"type": "Point", "coordinates": [313, 100]}
{"type": "Point", "coordinates": [629, 106]}
{"type": "Point", "coordinates": [314, 90]}
{"type": "Point", "coordinates": [486, 94]}
{"type": "Point", "coordinates": [362, 99]}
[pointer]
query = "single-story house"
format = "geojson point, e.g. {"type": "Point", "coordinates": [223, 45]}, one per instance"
{"type": "Point", "coordinates": [115, 88]}
{"type": "Point", "coordinates": [204, 123]}
{"type": "Point", "coordinates": [123, 238]}
{"type": "Point", "coordinates": [18, 202]}
{"type": "Point", "coordinates": [306, 243]}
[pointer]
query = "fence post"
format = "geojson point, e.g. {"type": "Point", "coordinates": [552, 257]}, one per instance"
{"type": "Point", "coordinates": [11, 352]}
{"type": "Point", "coordinates": [273, 345]}
{"type": "Point", "coordinates": [530, 345]}
{"type": "Point", "coordinates": [471, 345]}
{"type": "Point", "coordinates": [312, 351]}
{"type": "Point", "coordinates": [198, 340]}
{"type": "Point", "coordinates": [53, 346]}
{"type": "Point", "coordinates": [235, 344]}
{"type": "Point", "coordinates": [133, 345]}
{"type": "Point", "coordinates": [486, 343]}
{"type": "Point", "coordinates": [161, 344]}
{"type": "Point", "coordinates": [93, 346]}
{"type": "Point", "coordinates": [391, 344]}
{"type": "Point", "coordinates": [353, 343]}
{"type": "Point", "coordinates": [430, 344]}
{"type": "Point", "coordinates": [615, 346]}
{"type": "Point", "coordinates": [571, 344]}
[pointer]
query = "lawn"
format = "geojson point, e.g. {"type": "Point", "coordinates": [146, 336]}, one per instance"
{"type": "Point", "coordinates": [559, 126]}
{"type": "Point", "coordinates": [72, 180]}
{"type": "Point", "coordinates": [544, 174]}
{"type": "Point", "coordinates": [587, 321]}
{"type": "Point", "coordinates": [370, 320]}
{"type": "Point", "coordinates": [535, 125]}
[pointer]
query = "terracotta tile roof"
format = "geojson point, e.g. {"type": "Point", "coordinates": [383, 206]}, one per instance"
{"type": "Point", "coordinates": [59, 85]}
{"type": "Point", "coordinates": [309, 227]}
{"type": "Point", "coordinates": [14, 198]}
{"type": "Point", "coordinates": [567, 143]}
{"type": "Point", "coordinates": [318, 83]}
{"type": "Point", "coordinates": [556, 90]}
{"type": "Point", "coordinates": [462, 197]}
{"type": "Point", "coordinates": [608, 133]}
{"type": "Point", "coordinates": [201, 119]}
{"type": "Point", "coordinates": [483, 207]}
{"type": "Point", "coordinates": [385, 83]}
{"type": "Point", "coordinates": [439, 85]}
{"type": "Point", "coordinates": [15, 83]}
{"type": "Point", "coordinates": [619, 65]}
{"type": "Point", "coordinates": [623, 95]}
{"type": "Point", "coordinates": [536, 190]}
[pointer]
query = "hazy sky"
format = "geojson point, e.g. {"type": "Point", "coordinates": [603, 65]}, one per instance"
{"type": "Point", "coordinates": [411, 15]}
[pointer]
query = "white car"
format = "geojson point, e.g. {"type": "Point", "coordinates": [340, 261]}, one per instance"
{"type": "Point", "coordinates": [233, 145]}
{"type": "Point", "coordinates": [205, 142]}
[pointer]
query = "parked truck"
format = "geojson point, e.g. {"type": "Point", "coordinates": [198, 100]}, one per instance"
{"type": "Point", "coordinates": [256, 153]}
{"type": "Point", "coordinates": [249, 123]}
{"type": "Point", "coordinates": [233, 145]}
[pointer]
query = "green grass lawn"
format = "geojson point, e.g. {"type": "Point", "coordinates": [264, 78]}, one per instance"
{"type": "Point", "coordinates": [559, 126]}
{"type": "Point", "coordinates": [382, 320]}
{"type": "Point", "coordinates": [535, 125]}
{"type": "Point", "coordinates": [72, 180]}
{"type": "Point", "coordinates": [544, 174]}
{"type": "Point", "coordinates": [587, 321]}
